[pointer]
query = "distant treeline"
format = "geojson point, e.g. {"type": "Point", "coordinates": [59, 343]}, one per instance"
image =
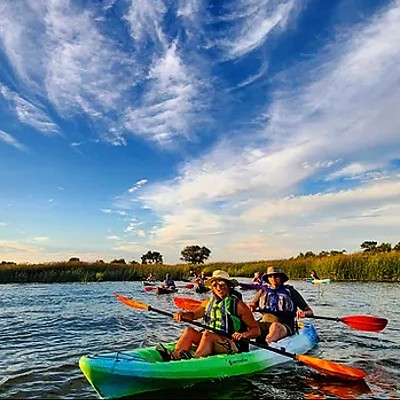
{"type": "Point", "coordinates": [379, 267]}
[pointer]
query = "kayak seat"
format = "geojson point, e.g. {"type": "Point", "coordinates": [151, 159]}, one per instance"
{"type": "Point", "coordinates": [166, 355]}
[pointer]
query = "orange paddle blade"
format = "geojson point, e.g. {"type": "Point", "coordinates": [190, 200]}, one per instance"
{"type": "Point", "coordinates": [365, 323]}
{"type": "Point", "coordinates": [149, 288]}
{"type": "Point", "coordinates": [331, 368]}
{"type": "Point", "coordinates": [186, 304]}
{"type": "Point", "coordinates": [132, 303]}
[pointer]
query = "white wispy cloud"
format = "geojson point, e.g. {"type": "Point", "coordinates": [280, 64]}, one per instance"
{"type": "Point", "coordinates": [8, 139]}
{"type": "Point", "coordinates": [172, 103]}
{"type": "Point", "coordinates": [254, 21]}
{"type": "Point", "coordinates": [29, 113]}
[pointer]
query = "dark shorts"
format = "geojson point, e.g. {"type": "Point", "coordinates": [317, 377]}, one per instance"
{"type": "Point", "coordinates": [264, 327]}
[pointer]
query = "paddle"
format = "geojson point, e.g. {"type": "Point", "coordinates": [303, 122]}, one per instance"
{"type": "Point", "coordinates": [359, 322]}
{"type": "Point", "coordinates": [187, 286]}
{"type": "Point", "coordinates": [325, 366]}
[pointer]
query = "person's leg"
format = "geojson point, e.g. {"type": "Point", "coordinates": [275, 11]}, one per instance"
{"type": "Point", "coordinates": [276, 331]}
{"type": "Point", "coordinates": [189, 336]}
{"type": "Point", "coordinates": [212, 343]}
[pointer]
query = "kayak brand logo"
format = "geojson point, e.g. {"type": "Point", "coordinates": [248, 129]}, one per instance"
{"type": "Point", "coordinates": [239, 361]}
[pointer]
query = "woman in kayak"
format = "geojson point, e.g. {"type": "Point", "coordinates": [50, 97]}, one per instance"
{"type": "Point", "coordinates": [223, 311]}
{"type": "Point", "coordinates": [257, 278]}
{"type": "Point", "coordinates": [151, 278]}
{"type": "Point", "coordinates": [314, 275]}
{"type": "Point", "coordinates": [279, 305]}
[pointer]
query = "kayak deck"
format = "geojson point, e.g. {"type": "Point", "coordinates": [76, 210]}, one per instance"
{"type": "Point", "coordinates": [115, 375]}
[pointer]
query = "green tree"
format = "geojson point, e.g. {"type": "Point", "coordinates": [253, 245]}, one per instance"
{"type": "Point", "coordinates": [384, 248]}
{"type": "Point", "coordinates": [369, 246]}
{"type": "Point", "coordinates": [118, 261]}
{"type": "Point", "coordinates": [397, 247]}
{"type": "Point", "coordinates": [195, 254]}
{"type": "Point", "coordinates": [152, 257]}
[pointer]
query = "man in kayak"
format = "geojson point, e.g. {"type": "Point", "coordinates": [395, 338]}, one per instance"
{"type": "Point", "coordinates": [223, 311]}
{"type": "Point", "coordinates": [168, 283]}
{"type": "Point", "coordinates": [279, 305]}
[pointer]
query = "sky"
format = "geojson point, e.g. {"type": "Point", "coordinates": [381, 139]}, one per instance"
{"type": "Point", "coordinates": [256, 128]}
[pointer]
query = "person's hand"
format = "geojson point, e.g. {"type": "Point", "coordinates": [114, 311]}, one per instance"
{"type": "Point", "coordinates": [300, 314]}
{"type": "Point", "coordinates": [178, 316]}
{"type": "Point", "coordinates": [237, 336]}
{"type": "Point", "coordinates": [252, 307]}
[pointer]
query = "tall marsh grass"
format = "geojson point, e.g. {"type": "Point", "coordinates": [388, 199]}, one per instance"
{"type": "Point", "coordinates": [354, 267]}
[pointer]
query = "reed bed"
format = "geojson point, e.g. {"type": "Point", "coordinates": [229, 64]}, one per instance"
{"type": "Point", "coordinates": [379, 267]}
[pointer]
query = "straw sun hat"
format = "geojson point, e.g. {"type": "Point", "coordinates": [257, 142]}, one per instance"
{"type": "Point", "coordinates": [221, 275]}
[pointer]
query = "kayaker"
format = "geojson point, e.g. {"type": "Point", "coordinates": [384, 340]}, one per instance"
{"type": "Point", "coordinates": [314, 275]}
{"type": "Point", "coordinates": [168, 283]}
{"type": "Point", "coordinates": [279, 305]}
{"type": "Point", "coordinates": [200, 279]}
{"type": "Point", "coordinates": [257, 278]}
{"type": "Point", "coordinates": [224, 311]}
{"type": "Point", "coordinates": [151, 278]}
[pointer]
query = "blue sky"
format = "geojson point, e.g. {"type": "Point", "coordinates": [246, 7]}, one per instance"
{"type": "Point", "coordinates": [256, 128]}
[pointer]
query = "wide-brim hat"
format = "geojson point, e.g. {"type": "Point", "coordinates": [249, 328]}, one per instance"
{"type": "Point", "coordinates": [275, 271]}
{"type": "Point", "coordinates": [221, 275]}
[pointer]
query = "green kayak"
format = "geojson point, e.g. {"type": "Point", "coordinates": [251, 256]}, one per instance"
{"type": "Point", "coordinates": [121, 374]}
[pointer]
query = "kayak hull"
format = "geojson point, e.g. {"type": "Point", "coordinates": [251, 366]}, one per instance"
{"type": "Point", "coordinates": [162, 290]}
{"type": "Point", "coordinates": [149, 283]}
{"type": "Point", "coordinates": [115, 375]}
{"type": "Point", "coordinates": [326, 281]}
{"type": "Point", "coordinates": [251, 286]}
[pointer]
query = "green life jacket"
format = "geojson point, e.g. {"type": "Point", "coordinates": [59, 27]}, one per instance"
{"type": "Point", "coordinates": [222, 315]}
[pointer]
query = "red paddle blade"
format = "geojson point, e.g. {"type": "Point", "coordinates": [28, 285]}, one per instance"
{"type": "Point", "coordinates": [149, 288]}
{"type": "Point", "coordinates": [186, 304]}
{"type": "Point", "coordinates": [189, 286]}
{"type": "Point", "coordinates": [365, 323]}
{"type": "Point", "coordinates": [331, 368]}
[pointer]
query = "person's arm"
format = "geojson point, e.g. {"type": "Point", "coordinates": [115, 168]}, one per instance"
{"type": "Point", "coordinates": [254, 303]}
{"type": "Point", "coordinates": [245, 314]}
{"type": "Point", "coordinates": [304, 309]}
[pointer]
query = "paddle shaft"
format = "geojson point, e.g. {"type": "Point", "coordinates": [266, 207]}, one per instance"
{"type": "Point", "coordinates": [337, 319]}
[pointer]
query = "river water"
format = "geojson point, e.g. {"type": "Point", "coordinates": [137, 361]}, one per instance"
{"type": "Point", "coordinates": [46, 328]}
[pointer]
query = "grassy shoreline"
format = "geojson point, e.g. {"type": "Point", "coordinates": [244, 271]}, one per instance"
{"type": "Point", "coordinates": [380, 267]}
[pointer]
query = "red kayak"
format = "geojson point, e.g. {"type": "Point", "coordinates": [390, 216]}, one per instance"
{"type": "Point", "coordinates": [164, 290]}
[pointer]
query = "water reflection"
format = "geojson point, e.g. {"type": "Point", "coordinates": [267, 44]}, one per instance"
{"type": "Point", "coordinates": [323, 387]}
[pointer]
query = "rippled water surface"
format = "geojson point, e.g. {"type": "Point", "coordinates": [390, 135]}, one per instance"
{"type": "Point", "coordinates": [46, 328]}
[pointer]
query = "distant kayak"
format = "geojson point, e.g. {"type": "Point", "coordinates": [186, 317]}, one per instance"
{"type": "Point", "coordinates": [251, 286]}
{"type": "Point", "coordinates": [149, 283]}
{"type": "Point", "coordinates": [163, 290]}
{"type": "Point", "coordinates": [202, 289]}
{"type": "Point", "coordinates": [319, 281]}
{"type": "Point", "coordinates": [121, 374]}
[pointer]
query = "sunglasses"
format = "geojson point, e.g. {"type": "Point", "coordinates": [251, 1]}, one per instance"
{"type": "Point", "coordinates": [274, 276]}
{"type": "Point", "coordinates": [218, 283]}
